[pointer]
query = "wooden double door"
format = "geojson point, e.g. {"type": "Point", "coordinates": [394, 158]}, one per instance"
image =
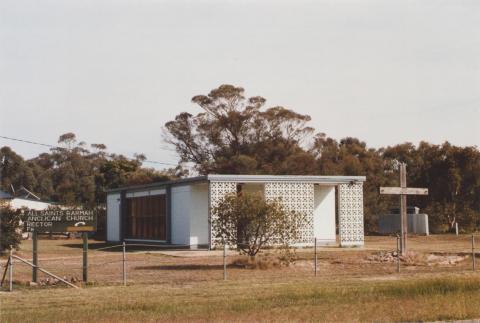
{"type": "Point", "coordinates": [146, 217]}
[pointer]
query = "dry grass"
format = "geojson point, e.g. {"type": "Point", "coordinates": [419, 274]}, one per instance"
{"type": "Point", "coordinates": [260, 262]}
{"type": "Point", "coordinates": [188, 286]}
{"type": "Point", "coordinates": [253, 300]}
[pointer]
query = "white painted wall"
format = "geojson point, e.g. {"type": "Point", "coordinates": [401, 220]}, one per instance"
{"type": "Point", "coordinates": [324, 214]}
{"type": "Point", "coordinates": [113, 217]}
{"type": "Point", "coordinates": [199, 215]}
{"type": "Point", "coordinates": [181, 208]}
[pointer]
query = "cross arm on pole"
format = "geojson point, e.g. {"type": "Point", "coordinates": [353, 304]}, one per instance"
{"type": "Point", "coordinates": [404, 190]}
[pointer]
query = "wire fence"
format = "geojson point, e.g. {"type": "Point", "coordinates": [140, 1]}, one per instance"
{"type": "Point", "coordinates": [137, 263]}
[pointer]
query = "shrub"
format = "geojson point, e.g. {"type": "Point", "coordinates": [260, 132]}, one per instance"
{"type": "Point", "coordinates": [10, 227]}
{"type": "Point", "coordinates": [249, 222]}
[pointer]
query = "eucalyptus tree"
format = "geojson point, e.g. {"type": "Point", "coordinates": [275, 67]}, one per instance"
{"type": "Point", "coordinates": [236, 134]}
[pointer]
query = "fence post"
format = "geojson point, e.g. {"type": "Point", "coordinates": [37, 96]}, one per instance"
{"type": "Point", "coordinates": [456, 228]}
{"type": "Point", "coordinates": [316, 259]}
{"type": "Point", "coordinates": [224, 261]}
{"type": "Point", "coordinates": [473, 253]}
{"type": "Point", "coordinates": [124, 265]}
{"type": "Point", "coordinates": [10, 270]}
{"type": "Point", "coordinates": [398, 254]}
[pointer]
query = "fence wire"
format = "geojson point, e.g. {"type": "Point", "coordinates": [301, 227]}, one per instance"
{"type": "Point", "coordinates": [155, 264]}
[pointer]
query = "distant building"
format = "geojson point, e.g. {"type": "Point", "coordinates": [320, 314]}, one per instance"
{"type": "Point", "coordinates": [27, 201]}
{"type": "Point", "coordinates": [417, 222]}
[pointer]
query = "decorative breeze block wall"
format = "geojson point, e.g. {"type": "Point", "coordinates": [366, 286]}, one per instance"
{"type": "Point", "coordinates": [218, 190]}
{"type": "Point", "coordinates": [296, 197]}
{"type": "Point", "coordinates": [350, 214]}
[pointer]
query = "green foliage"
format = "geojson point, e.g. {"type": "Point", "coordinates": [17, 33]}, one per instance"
{"type": "Point", "coordinates": [233, 135]}
{"type": "Point", "coordinates": [72, 174]}
{"type": "Point", "coordinates": [10, 228]}
{"type": "Point", "coordinates": [238, 135]}
{"type": "Point", "coordinates": [249, 222]}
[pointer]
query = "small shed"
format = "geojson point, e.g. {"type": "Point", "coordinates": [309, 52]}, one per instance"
{"type": "Point", "coordinates": [178, 212]}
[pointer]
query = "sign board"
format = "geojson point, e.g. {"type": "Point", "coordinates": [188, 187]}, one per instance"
{"type": "Point", "coordinates": [404, 190]}
{"type": "Point", "coordinates": [57, 220]}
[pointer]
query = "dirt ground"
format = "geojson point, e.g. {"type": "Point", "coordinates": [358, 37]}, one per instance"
{"type": "Point", "coordinates": [156, 265]}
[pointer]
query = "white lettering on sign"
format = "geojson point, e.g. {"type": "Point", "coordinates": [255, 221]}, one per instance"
{"type": "Point", "coordinates": [59, 220]}
{"type": "Point", "coordinates": [79, 218]}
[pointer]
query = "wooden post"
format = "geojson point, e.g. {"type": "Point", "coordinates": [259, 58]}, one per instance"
{"type": "Point", "coordinates": [316, 259]}
{"type": "Point", "coordinates": [403, 191]}
{"type": "Point", "coordinates": [10, 271]}
{"type": "Point", "coordinates": [35, 256]}
{"type": "Point", "coordinates": [456, 228]}
{"type": "Point", "coordinates": [473, 253]}
{"type": "Point", "coordinates": [85, 256]}
{"type": "Point", "coordinates": [7, 266]}
{"type": "Point", "coordinates": [224, 261]}
{"type": "Point", "coordinates": [398, 254]}
{"type": "Point", "coordinates": [403, 209]}
{"type": "Point", "coordinates": [124, 265]}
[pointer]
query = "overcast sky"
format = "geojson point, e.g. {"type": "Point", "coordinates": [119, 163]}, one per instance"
{"type": "Point", "coordinates": [114, 72]}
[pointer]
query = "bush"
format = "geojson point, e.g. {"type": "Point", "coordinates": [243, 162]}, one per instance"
{"type": "Point", "coordinates": [249, 222]}
{"type": "Point", "coordinates": [10, 227]}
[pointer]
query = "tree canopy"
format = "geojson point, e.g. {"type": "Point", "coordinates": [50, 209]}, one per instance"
{"type": "Point", "coordinates": [234, 134]}
{"type": "Point", "coordinates": [73, 174]}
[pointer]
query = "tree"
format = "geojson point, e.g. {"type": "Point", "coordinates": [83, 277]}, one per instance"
{"type": "Point", "coordinates": [10, 228]}
{"type": "Point", "coordinates": [234, 135]}
{"type": "Point", "coordinates": [351, 156]}
{"type": "Point", "coordinates": [237, 135]}
{"type": "Point", "coordinates": [452, 175]}
{"type": "Point", "coordinates": [14, 171]}
{"type": "Point", "coordinates": [72, 175]}
{"type": "Point", "coordinates": [249, 222]}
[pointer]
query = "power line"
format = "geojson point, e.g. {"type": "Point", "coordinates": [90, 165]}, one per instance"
{"type": "Point", "coordinates": [29, 142]}
{"type": "Point", "coordinates": [53, 146]}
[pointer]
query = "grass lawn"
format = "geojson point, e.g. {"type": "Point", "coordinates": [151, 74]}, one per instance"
{"type": "Point", "coordinates": [455, 297]}
{"type": "Point", "coordinates": [188, 286]}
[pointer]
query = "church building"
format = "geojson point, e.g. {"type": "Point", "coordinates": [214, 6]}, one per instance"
{"type": "Point", "coordinates": [178, 212]}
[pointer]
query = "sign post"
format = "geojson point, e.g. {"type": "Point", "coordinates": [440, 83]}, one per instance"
{"type": "Point", "coordinates": [60, 220]}
{"type": "Point", "coordinates": [403, 191]}
{"type": "Point", "coordinates": [35, 256]}
{"type": "Point", "coordinates": [85, 257]}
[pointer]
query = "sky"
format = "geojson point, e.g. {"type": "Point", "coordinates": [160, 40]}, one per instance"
{"type": "Point", "coordinates": [114, 71]}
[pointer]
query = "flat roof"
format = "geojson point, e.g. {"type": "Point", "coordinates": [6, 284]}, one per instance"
{"type": "Point", "coordinates": [313, 179]}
